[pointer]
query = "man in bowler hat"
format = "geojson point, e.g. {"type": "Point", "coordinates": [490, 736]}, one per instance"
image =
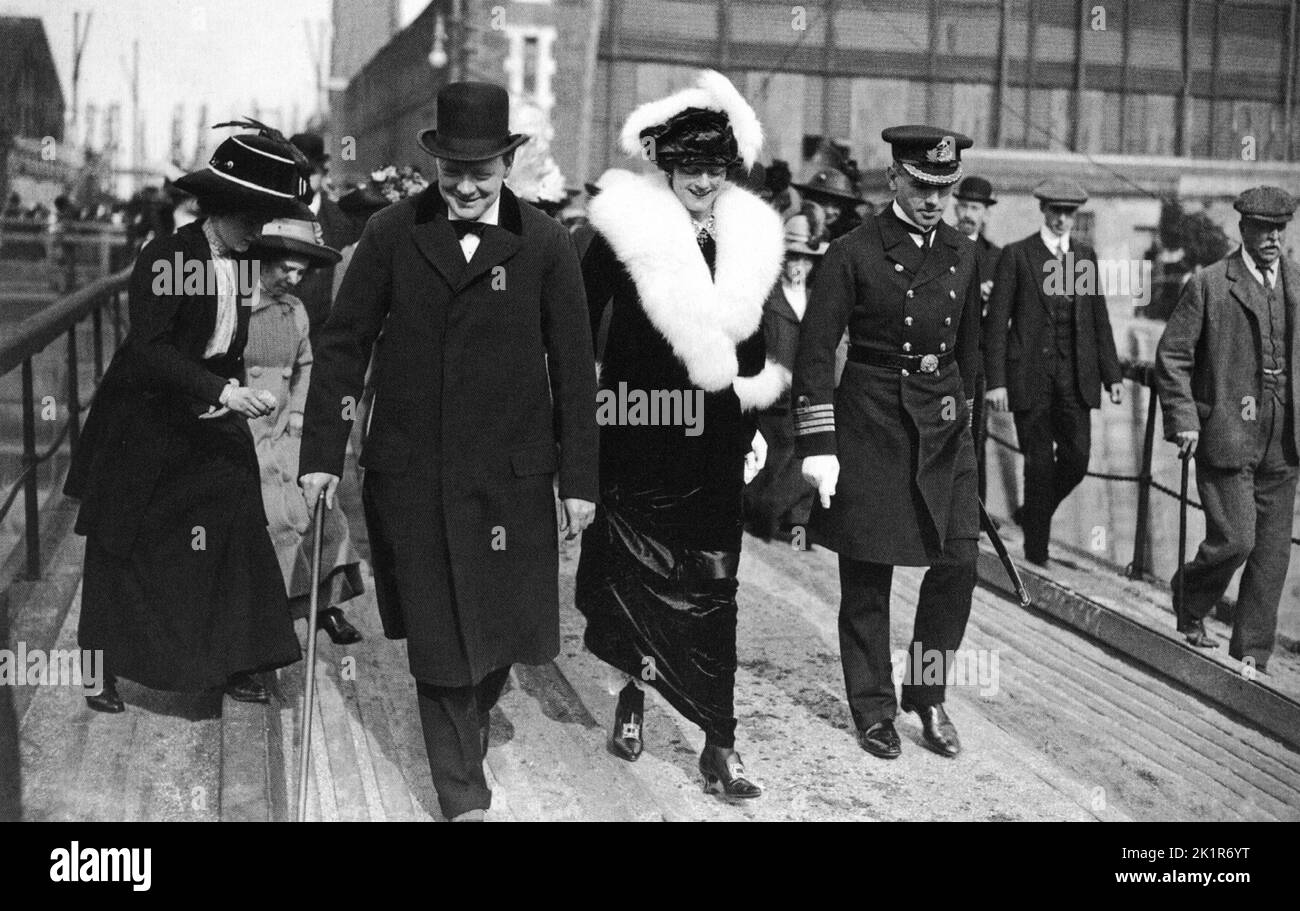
{"type": "Point", "coordinates": [1048, 351]}
{"type": "Point", "coordinates": [890, 450]}
{"type": "Point", "coordinates": [1225, 370]}
{"type": "Point", "coordinates": [974, 202]}
{"type": "Point", "coordinates": [477, 302]}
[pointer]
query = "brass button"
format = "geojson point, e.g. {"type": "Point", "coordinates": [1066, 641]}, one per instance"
{"type": "Point", "coordinates": [911, 293]}
{"type": "Point", "coordinates": [898, 267]}
{"type": "Point", "coordinates": [947, 320]}
{"type": "Point", "coordinates": [952, 294]}
{"type": "Point", "coordinates": [952, 269]}
{"type": "Point", "coordinates": [943, 346]}
{"type": "Point", "coordinates": [904, 373]}
{"type": "Point", "coordinates": [907, 321]}
{"type": "Point", "coordinates": [907, 346]}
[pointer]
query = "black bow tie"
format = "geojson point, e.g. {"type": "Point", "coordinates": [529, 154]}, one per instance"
{"type": "Point", "coordinates": [462, 228]}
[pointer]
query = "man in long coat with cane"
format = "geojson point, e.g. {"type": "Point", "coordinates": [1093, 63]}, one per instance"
{"type": "Point", "coordinates": [483, 359]}
{"type": "Point", "coordinates": [890, 450]}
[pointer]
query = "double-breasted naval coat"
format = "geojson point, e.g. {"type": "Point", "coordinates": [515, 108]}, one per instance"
{"type": "Point", "coordinates": [907, 482]}
{"type": "Point", "coordinates": [479, 367]}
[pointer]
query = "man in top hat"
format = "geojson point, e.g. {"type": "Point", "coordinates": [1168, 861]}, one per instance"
{"type": "Point", "coordinates": [484, 323]}
{"type": "Point", "coordinates": [834, 192]}
{"type": "Point", "coordinates": [1225, 369]}
{"type": "Point", "coordinates": [1048, 351]}
{"type": "Point", "coordinates": [890, 451]}
{"type": "Point", "coordinates": [974, 203]}
{"type": "Point", "coordinates": [338, 230]}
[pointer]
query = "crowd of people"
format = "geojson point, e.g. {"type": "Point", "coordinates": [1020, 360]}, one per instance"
{"type": "Point", "coordinates": [844, 358]}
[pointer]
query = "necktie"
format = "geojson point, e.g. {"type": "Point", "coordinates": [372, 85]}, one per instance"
{"type": "Point", "coordinates": [1267, 273]}
{"type": "Point", "coordinates": [467, 227]}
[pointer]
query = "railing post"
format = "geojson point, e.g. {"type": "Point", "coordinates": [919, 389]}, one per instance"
{"type": "Point", "coordinates": [33, 518]}
{"type": "Point", "coordinates": [1142, 533]}
{"type": "Point", "coordinates": [97, 324]}
{"type": "Point", "coordinates": [117, 320]}
{"type": "Point", "coordinates": [74, 399]}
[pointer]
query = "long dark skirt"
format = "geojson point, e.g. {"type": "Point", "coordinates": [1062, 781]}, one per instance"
{"type": "Point", "coordinates": [660, 611]}
{"type": "Point", "coordinates": [200, 596]}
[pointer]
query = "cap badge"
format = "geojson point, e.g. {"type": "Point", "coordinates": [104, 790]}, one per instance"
{"type": "Point", "coordinates": [943, 152]}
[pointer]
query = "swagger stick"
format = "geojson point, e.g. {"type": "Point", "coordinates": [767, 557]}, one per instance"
{"type": "Point", "coordinates": [1182, 527]}
{"type": "Point", "coordinates": [309, 700]}
{"type": "Point", "coordinates": [992, 531]}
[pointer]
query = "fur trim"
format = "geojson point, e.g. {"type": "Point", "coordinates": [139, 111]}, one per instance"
{"type": "Point", "coordinates": [713, 91]}
{"type": "Point", "coordinates": [703, 320]}
{"type": "Point", "coordinates": [763, 388]}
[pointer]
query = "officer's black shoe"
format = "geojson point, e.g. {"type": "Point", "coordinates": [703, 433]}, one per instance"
{"type": "Point", "coordinates": [1196, 634]}
{"type": "Point", "coordinates": [242, 687]}
{"type": "Point", "coordinates": [724, 774]}
{"type": "Point", "coordinates": [107, 700]}
{"type": "Point", "coordinates": [625, 740]}
{"type": "Point", "coordinates": [881, 739]}
{"type": "Point", "coordinates": [340, 631]}
{"type": "Point", "coordinates": [937, 728]}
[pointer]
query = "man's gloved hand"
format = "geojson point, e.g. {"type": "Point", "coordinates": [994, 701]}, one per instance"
{"type": "Point", "coordinates": [823, 472]}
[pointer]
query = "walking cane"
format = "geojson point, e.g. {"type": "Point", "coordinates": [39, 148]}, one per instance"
{"type": "Point", "coordinates": [1182, 526]}
{"type": "Point", "coordinates": [309, 699]}
{"type": "Point", "coordinates": [991, 530]}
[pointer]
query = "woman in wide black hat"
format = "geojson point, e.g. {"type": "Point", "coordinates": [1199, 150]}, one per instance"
{"type": "Point", "coordinates": [685, 260]}
{"type": "Point", "coordinates": [277, 360]}
{"type": "Point", "coordinates": [181, 589]}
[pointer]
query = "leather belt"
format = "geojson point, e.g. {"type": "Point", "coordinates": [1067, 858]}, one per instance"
{"type": "Point", "coordinates": [914, 363]}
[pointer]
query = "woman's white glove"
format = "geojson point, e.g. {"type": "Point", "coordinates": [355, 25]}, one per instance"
{"type": "Point", "coordinates": [756, 458]}
{"type": "Point", "coordinates": [822, 472]}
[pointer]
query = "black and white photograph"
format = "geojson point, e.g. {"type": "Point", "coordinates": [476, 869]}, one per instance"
{"type": "Point", "coordinates": [652, 411]}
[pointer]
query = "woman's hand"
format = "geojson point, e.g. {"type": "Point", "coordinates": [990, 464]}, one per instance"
{"type": "Point", "coordinates": [251, 403]}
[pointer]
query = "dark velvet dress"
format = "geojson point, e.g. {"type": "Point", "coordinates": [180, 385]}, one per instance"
{"type": "Point", "coordinates": [657, 576]}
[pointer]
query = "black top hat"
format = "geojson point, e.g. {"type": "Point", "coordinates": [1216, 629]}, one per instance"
{"type": "Point", "coordinates": [473, 123]}
{"type": "Point", "coordinates": [312, 145]}
{"type": "Point", "coordinates": [929, 154]}
{"type": "Point", "coordinates": [252, 172]}
{"type": "Point", "coordinates": [976, 189]}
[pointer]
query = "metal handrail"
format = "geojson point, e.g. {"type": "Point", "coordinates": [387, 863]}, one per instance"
{"type": "Point", "coordinates": [33, 336]}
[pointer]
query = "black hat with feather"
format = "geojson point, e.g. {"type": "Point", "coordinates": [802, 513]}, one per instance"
{"type": "Point", "coordinates": [260, 173]}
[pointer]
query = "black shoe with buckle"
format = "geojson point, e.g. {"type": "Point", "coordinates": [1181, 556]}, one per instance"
{"type": "Point", "coordinates": [724, 774]}
{"type": "Point", "coordinates": [937, 728]}
{"type": "Point", "coordinates": [340, 631]}
{"type": "Point", "coordinates": [242, 687]}
{"type": "Point", "coordinates": [625, 740]}
{"type": "Point", "coordinates": [881, 739]}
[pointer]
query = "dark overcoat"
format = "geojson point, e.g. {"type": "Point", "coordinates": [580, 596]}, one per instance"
{"type": "Point", "coordinates": [907, 481]}
{"type": "Point", "coordinates": [1210, 361]}
{"type": "Point", "coordinates": [461, 451]}
{"type": "Point", "coordinates": [316, 289]}
{"type": "Point", "coordinates": [1015, 356]}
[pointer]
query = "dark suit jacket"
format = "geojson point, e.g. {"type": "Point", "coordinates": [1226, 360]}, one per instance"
{"type": "Point", "coordinates": [461, 449]}
{"type": "Point", "coordinates": [1209, 360]}
{"type": "Point", "coordinates": [317, 286]}
{"type": "Point", "coordinates": [1018, 332]}
{"type": "Point", "coordinates": [153, 391]}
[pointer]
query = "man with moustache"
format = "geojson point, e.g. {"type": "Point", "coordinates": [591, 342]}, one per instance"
{"type": "Point", "coordinates": [1225, 370]}
{"type": "Point", "coordinates": [890, 450]}
{"type": "Point", "coordinates": [1047, 353]}
{"type": "Point", "coordinates": [973, 206]}
{"type": "Point", "coordinates": [476, 302]}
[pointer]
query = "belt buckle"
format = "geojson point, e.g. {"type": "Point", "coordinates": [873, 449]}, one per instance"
{"type": "Point", "coordinates": [929, 363]}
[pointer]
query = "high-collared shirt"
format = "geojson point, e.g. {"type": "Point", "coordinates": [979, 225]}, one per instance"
{"type": "Point", "coordinates": [1253, 268]}
{"type": "Point", "coordinates": [469, 243]}
{"type": "Point", "coordinates": [921, 237]}
{"type": "Point", "coordinates": [1057, 243]}
{"type": "Point", "coordinates": [226, 270]}
{"type": "Point", "coordinates": [797, 297]}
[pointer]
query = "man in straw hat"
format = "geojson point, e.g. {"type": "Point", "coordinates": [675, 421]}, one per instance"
{"type": "Point", "coordinates": [1225, 369]}
{"type": "Point", "coordinates": [890, 451]}
{"type": "Point", "coordinates": [480, 301]}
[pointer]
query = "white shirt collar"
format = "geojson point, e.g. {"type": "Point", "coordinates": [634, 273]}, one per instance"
{"type": "Point", "coordinates": [1257, 272]}
{"type": "Point", "coordinates": [490, 217]}
{"type": "Point", "coordinates": [314, 205]}
{"type": "Point", "coordinates": [975, 237]}
{"type": "Point", "coordinates": [1055, 241]}
{"type": "Point", "coordinates": [920, 235]}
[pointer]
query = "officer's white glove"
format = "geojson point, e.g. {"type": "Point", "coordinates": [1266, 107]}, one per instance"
{"type": "Point", "coordinates": [822, 472]}
{"type": "Point", "coordinates": [756, 458]}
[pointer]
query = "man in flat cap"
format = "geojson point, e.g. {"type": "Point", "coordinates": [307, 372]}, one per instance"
{"type": "Point", "coordinates": [974, 202]}
{"type": "Point", "coordinates": [1225, 370]}
{"type": "Point", "coordinates": [485, 380]}
{"type": "Point", "coordinates": [890, 451]}
{"type": "Point", "coordinates": [1048, 351]}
